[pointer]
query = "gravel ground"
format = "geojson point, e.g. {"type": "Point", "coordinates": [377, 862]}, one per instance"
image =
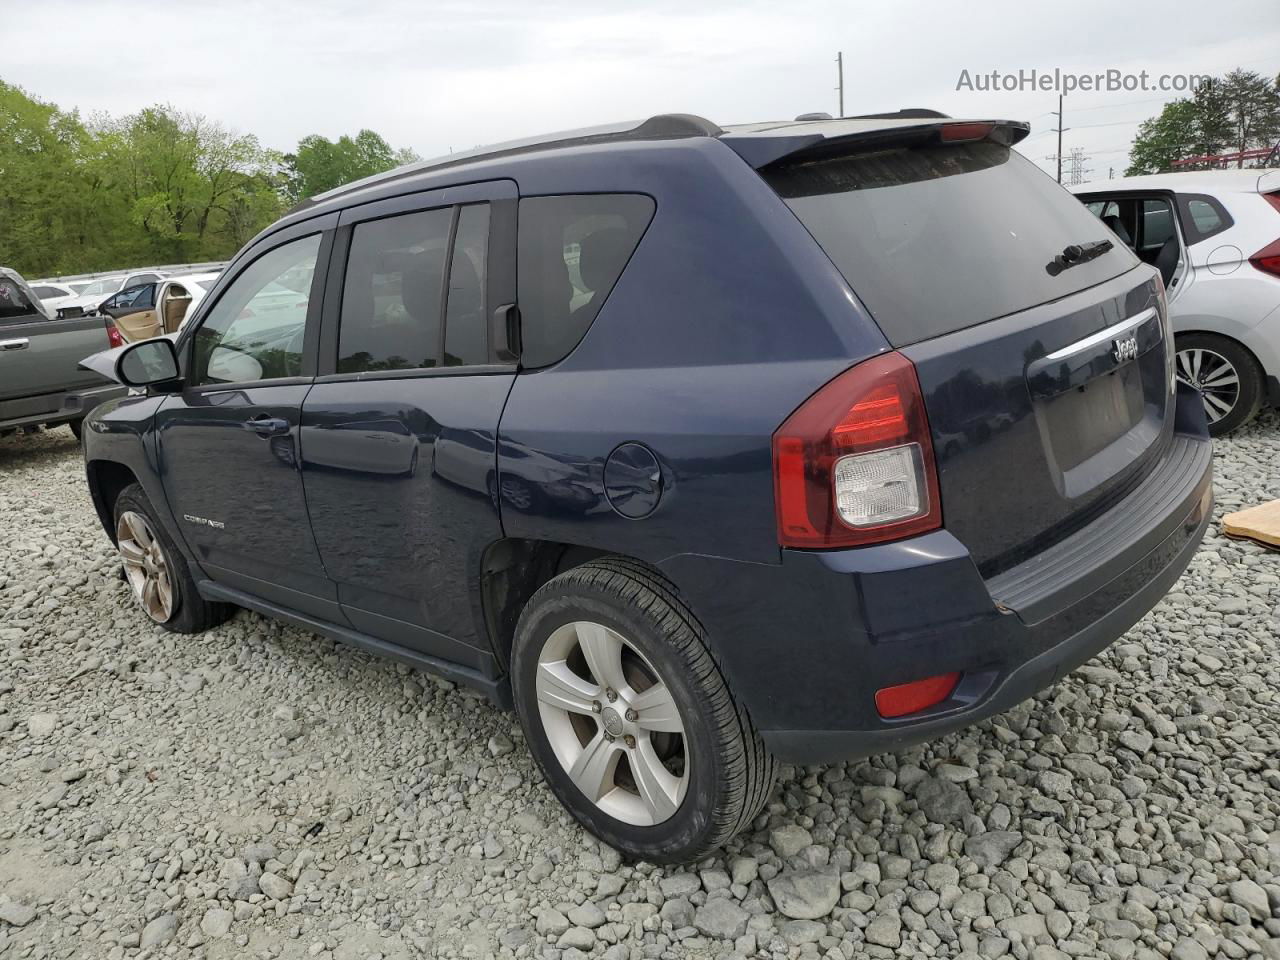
{"type": "Point", "coordinates": [260, 792]}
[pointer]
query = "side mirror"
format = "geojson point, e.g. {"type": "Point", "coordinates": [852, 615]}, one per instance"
{"type": "Point", "coordinates": [147, 362]}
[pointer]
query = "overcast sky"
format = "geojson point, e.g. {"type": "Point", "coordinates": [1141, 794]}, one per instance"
{"type": "Point", "coordinates": [435, 76]}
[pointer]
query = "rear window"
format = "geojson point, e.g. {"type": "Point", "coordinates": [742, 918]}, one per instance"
{"type": "Point", "coordinates": [572, 249]}
{"type": "Point", "coordinates": [14, 304]}
{"type": "Point", "coordinates": [937, 239]}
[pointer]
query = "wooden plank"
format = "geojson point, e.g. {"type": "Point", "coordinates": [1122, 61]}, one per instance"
{"type": "Point", "coordinates": [1260, 524]}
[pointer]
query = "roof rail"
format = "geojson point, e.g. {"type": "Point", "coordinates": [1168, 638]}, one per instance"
{"type": "Point", "coordinates": [663, 126]}
{"type": "Point", "coordinates": [910, 113]}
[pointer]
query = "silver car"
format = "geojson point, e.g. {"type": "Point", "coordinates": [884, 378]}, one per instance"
{"type": "Point", "coordinates": [1214, 235]}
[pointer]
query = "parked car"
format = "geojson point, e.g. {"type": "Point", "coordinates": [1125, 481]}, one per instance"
{"type": "Point", "coordinates": [157, 307]}
{"type": "Point", "coordinates": [784, 557]}
{"type": "Point", "coordinates": [1215, 237]}
{"type": "Point", "coordinates": [41, 382]}
{"type": "Point", "coordinates": [53, 295]}
{"type": "Point", "coordinates": [92, 296]}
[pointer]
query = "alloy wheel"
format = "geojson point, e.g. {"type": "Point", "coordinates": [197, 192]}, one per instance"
{"type": "Point", "coordinates": [145, 566]}
{"type": "Point", "coordinates": [612, 723]}
{"type": "Point", "coordinates": [1214, 376]}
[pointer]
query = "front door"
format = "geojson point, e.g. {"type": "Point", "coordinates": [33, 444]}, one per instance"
{"type": "Point", "coordinates": [399, 431]}
{"type": "Point", "coordinates": [228, 443]}
{"type": "Point", "coordinates": [133, 310]}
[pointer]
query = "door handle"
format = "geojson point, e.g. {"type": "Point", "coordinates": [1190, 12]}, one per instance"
{"type": "Point", "coordinates": [19, 344]}
{"type": "Point", "coordinates": [267, 426]}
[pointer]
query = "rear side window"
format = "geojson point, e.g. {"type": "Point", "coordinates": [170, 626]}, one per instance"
{"type": "Point", "coordinates": [572, 249]}
{"type": "Point", "coordinates": [1202, 216]}
{"type": "Point", "coordinates": [47, 293]}
{"type": "Point", "coordinates": [937, 239]}
{"type": "Point", "coordinates": [398, 312]}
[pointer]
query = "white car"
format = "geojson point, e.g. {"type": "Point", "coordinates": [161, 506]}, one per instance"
{"type": "Point", "coordinates": [53, 295]}
{"type": "Point", "coordinates": [1214, 235]}
{"type": "Point", "coordinates": [162, 306]}
{"type": "Point", "coordinates": [92, 296]}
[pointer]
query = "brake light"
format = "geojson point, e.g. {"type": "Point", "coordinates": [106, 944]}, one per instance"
{"type": "Point", "coordinates": [908, 698]}
{"type": "Point", "coordinates": [854, 463]}
{"type": "Point", "coordinates": [1273, 199]}
{"type": "Point", "coordinates": [965, 132]}
{"type": "Point", "coordinates": [113, 335]}
{"type": "Point", "coordinates": [1268, 258]}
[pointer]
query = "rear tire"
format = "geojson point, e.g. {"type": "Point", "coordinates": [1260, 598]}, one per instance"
{"type": "Point", "coordinates": [1228, 377]}
{"type": "Point", "coordinates": [678, 780]}
{"type": "Point", "coordinates": [187, 611]}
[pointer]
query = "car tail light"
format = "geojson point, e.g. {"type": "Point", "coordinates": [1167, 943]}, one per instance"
{"type": "Point", "coordinates": [1268, 258]}
{"type": "Point", "coordinates": [966, 132]}
{"type": "Point", "coordinates": [113, 335]}
{"type": "Point", "coordinates": [854, 463]}
{"type": "Point", "coordinates": [908, 698]}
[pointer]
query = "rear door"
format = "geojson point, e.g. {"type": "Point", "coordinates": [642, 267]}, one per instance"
{"type": "Point", "coordinates": [1044, 371]}
{"type": "Point", "coordinates": [228, 443]}
{"type": "Point", "coordinates": [399, 431]}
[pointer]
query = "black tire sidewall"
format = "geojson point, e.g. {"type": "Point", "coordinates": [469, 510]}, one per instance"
{"type": "Point", "coordinates": [687, 829]}
{"type": "Point", "coordinates": [1247, 371]}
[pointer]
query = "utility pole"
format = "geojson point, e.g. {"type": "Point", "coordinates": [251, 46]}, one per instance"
{"type": "Point", "coordinates": [840, 80]}
{"type": "Point", "coordinates": [1060, 128]}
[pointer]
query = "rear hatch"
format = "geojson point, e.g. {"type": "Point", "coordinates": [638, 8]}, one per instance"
{"type": "Point", "coordinates": [1040, 348]}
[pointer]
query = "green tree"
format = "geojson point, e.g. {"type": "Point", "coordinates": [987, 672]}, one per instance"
{"type": "Point", "coordinates": [1240, 111]}
{"type": "Point", "coordinates": [320, 164]}
{"type": "Point", "coordinates": [1163, 139]}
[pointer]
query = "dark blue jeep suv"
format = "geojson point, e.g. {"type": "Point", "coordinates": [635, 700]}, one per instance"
{"type": "Point", "coordinates": [702, 448]}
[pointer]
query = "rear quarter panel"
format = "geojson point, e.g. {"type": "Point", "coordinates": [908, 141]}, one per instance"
{"type": "Point", "coordinates": [726, 318]}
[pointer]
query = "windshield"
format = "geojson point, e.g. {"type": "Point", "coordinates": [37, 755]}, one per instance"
{"type": "Point", "coordinates": [109, 285]}
{"type": "Point", "coordinates": [937, 239]}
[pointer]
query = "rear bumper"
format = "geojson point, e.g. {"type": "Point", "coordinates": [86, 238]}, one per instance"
{"type": "Point", "coordinates": [806, 644]}
{"type": "Point", "coordinates": [57, 407]}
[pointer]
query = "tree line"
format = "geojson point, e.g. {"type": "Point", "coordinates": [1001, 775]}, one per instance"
{"type": "Point", "coordinates": [157, 186]}
{"type": "Point", "coordinates": [1237, 112]}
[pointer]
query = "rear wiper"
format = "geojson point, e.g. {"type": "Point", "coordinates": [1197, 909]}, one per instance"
{"type": "Point", "coordinates": [1075, 253]}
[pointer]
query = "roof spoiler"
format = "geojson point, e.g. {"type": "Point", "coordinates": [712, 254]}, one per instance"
{"type": "Point", "coordinates": [829, 140]}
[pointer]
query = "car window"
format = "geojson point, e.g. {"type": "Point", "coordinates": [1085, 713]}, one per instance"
{"type": "Point", "coordinates": [14, 303]}
{"type": "Point", "coordinates": [48, 293]}
{"type": "Point", "coordinates": [1157, 223]}
{"type": "Point", "coordinates": [142, 297]}
{"type": "Point", "coordinates": [255, 330]}
{"type": "Point", "coordinates": [101, 287]}
{"type": "Point", "coordinates": [392, 292]}
{"type": "Point", "coordinates": [1206, 218]}
{"type": "Point", "coordinates": [466, 336]}
{"type": "Point", "coordinates": [571, 251]}
{"type": "Point", "coordinates": [970, 226]}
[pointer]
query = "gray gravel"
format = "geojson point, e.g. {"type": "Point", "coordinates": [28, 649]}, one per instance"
{"type": "Point", "coordinates": [260, 792]}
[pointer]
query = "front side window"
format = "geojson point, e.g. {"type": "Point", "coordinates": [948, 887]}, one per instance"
{"type": "Point", "coordinates": [572, 249]}
{"type": "Point", "coordinates": [255, 331]}
{"type": "Point", "coordinates": [398, 310]}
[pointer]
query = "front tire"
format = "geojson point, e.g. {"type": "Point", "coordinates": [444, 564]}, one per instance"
{"type": "Point", "coordinates": [1227, 376]}
{"type": "Point", "coordinates": [630, 718]}
{"type": "Point", "coordinates": [157, 572]}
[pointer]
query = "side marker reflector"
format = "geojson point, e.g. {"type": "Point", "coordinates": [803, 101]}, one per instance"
{"type": "Point", "coordinates": [908, 698]}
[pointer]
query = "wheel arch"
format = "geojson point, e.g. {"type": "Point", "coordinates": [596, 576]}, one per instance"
{"type": "Point", "coordinates": [107, 478]}
{"type": "Point", "coordinates": [512, 570]}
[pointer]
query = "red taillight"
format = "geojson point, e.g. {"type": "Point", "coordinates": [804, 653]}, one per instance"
{"type": "Point", "coordinates": [113, 335]}
{"type": "Point", "coordinates": [1268, 259]}
{"type": "Point", "coordinates": [1273, 199]}
{"type": "Point", "coordinates": [965, 132]}
{"type": "Point", "coordinates": [854, 464]}
{"type": "Point", "coordinates": [908, 698]}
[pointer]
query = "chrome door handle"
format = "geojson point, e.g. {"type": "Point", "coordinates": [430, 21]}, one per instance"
{"type": "Point", "coordinates": [268, 426]}
{"type": "Point", "coordinates": [21, 343]}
